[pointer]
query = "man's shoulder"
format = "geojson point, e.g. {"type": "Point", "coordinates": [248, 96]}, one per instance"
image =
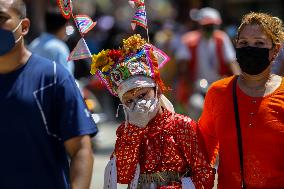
{"type": "Point", "coordinates": [42, 65]}
{"type": "Point", "coordinates": [191, 37]}
{"type": "Point", "coordinates": [40, 62]}
{"type": "Point", "coordinates": [56, 43]}
{"type": "Point", "coordinates": [219, 34]}
{"type": "Point", "coordinates": [48, 42]}
{"type": "Point", "coordinates": [51, 42]}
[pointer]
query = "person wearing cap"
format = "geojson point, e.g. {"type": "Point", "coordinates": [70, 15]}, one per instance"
{"type": "Point", "coordinates": [155, 148]}
{"type": "Point", "coordinates": [209, 53]}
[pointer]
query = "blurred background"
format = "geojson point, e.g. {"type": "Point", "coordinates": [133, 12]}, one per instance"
{"type": "Point", "coordinates": [168, 20]}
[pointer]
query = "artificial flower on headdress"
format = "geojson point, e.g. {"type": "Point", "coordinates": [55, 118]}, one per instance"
{"type": "Point", "coordinates": [135, 58]}
{"type": "Point", "coordinates": [133, 44]}
{"type": "Point", "coordinates": [104, 60]}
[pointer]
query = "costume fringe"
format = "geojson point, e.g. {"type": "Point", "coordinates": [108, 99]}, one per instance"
{"type": "Point", "coordinates": [187, 183]}
{"type": "Point", "coordinates": [134, 182]}
{"type": "Point", "coordinates": [110, 179]}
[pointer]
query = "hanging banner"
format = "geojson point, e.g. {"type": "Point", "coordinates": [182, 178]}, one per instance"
{"type": "Point", "coordinates": [84, 23]}
{"type": "Point", "coordinates": [65, 8]}
{"type": "Point", "coordinates": [81, 51]}
{"type": "Point", "coordinates": [140, 17]}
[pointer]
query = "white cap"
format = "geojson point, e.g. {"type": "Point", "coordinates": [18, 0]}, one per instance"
{"type": "Point", "coordinates": [208, 15]}
{"type": "Point", "coordinates": [138, 81]}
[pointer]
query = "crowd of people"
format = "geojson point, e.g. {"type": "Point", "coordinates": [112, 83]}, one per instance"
{"type": "Point", "coordinates": [47, 127]}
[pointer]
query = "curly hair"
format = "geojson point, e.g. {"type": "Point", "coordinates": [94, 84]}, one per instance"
{"type": "Point", "coordinates": [272, 26]}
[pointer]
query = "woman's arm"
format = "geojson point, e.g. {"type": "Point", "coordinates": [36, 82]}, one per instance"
{"type": "Point", "coordinates": [206, 129]}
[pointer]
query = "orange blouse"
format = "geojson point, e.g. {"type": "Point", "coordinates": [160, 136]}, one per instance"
{"type": "Point", "coordinates": [262, 125]}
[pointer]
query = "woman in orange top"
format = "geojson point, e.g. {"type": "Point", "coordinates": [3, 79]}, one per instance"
{"type": "Point", "coordinates": [260, 98]}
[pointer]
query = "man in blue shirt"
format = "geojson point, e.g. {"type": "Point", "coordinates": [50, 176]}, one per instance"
{"type": "Point", "coordinates": [43, 118]}
{"type": "Point", "coordinates": [51, 44]}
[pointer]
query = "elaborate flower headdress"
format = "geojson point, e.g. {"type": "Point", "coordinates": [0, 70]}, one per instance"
{"type": "Point", "coordinates": [134, 58]}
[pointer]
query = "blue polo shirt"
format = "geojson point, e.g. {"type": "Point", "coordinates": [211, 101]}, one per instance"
{"type": "Point", "coordinates": [40, 108]}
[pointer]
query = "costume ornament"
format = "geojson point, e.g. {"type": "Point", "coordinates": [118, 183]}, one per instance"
{"type": "Point", "coordinates": [134, 58]}
{"type": "Point", "coordinates": [83, 23]}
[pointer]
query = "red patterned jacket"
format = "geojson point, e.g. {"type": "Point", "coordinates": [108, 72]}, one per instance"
{"type": "Point", "coordinates": [168, 143]}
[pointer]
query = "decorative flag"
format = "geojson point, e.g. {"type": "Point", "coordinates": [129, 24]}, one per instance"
{"type": "Point", "coordinates": [140, 17]}
{"type": "Point", "coordinates": [84, 23]}
{"type": "Point", "coordinates": [162, 57]}
{"type": "Point", "coordinates": [133, 2]}
{"type": "Point", "coordinates": [65, 8]}
{"type": "Point", "coordinates": [81, 51]}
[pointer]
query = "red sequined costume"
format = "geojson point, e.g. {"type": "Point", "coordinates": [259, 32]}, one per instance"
{"type": "Point", "coordinates": [168, 144]}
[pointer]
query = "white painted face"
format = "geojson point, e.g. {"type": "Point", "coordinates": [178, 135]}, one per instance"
{"type": "Point", "coordinates": [130, 97]}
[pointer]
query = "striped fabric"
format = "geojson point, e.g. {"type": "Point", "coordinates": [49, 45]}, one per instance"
{"type": "Point", "coordinates": [84, 23]}
{"type": "Point", "coordinates": [140, 17]}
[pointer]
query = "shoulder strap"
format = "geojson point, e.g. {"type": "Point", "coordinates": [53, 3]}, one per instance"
{"type": "Point", "coordinates": [239, 131]}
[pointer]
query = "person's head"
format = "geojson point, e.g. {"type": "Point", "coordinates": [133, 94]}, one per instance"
{"type": "Point", "coordinates": [55, 23]}
{"type": "Point", "coordinates": [258, 42]}
{"type": "Point", "coordinates": [13, 25]}
{"type": "Point", "coordinates": [132, 74]}
{"type": "Point", "coordinates": [209, 20]}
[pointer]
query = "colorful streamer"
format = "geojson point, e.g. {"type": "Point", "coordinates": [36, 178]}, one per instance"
{"type": "Point", "coordinates": [133, 2]}
{"type": "Point", "coordinates": [65, 8]}
{"type": "Point", "coordinates": [162, 57]}
{"type": "Point", "coordinates": [84, 23]}
{"type": "Point", "coordinates": [81, 51]}
{"type": "Point", "coordinates": [140, 17]}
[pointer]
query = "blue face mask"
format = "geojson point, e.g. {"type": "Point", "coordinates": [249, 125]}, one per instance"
{"type": "Point", "coordinates": [8, 40]}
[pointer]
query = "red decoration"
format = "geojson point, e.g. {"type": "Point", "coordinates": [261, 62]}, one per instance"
{"type": "Point", "coordinates": [65, 8]}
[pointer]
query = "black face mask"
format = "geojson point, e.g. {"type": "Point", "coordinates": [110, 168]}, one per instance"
{"type": "Point", "coordinates": [253, 60]}
{"type": "Point", "coordinates": [208, 30]}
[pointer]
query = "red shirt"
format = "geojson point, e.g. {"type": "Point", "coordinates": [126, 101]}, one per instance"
{"type": "Point", "coordinates": [262, 125]}
{"type": "Point", "coordinates": [168, 143]}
